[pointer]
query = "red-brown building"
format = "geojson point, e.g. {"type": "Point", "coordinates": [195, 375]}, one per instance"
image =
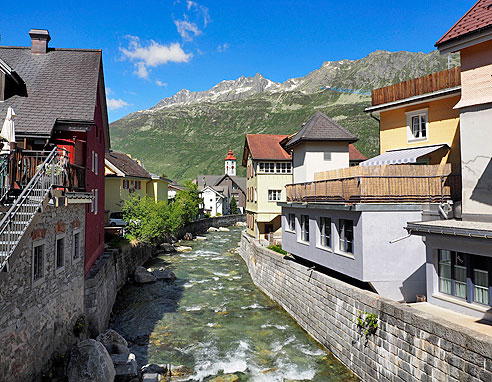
{"type": "Point", "coordinates": [59, 99]}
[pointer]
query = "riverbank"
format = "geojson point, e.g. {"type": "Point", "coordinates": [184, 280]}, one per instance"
{"type": "Point", "coordinates": [407, 345]}
{"type": "Point", "coordinates": [214, 321]}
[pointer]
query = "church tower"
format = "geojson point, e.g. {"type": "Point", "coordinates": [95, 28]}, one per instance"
{"type": "Point", "coordinates": [230, 164]}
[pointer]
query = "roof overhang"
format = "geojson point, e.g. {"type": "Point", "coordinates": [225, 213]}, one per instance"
{"type": "Point", "coordinates": [302, 140]}
{"type": "Point", "coordinates": [452, 228]}
{"type": "Point", "coordinates": [434, 96]}
{"type": "Point", "coordinates": [402, 156]}
{"type": "Point", "coordinates": [465, 41]}
{"type": "Point", "coordinates": [215, 191]}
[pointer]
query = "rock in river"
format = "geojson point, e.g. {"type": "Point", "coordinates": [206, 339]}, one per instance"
{"type": "Point", "coordinates": [164, 274]}
{"type": "Point", "coordinates": [167, 247]}
{"type": "Point", "coordinates": [184, 248]}
{"type": "Point", "coordinates": [212, 229]}
{"type": "Point", "coordinates": [90, 362]}
{"type": "Point", "coordinates": [224, 229]}
{"type": "Point", "coordinates": [143, 276]}
{"type": "Point", "coordinates": [113, 342]}
{"type": "Point", "coordinates": [154, 368]}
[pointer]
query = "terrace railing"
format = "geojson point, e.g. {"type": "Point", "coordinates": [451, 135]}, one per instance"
{"type": "Point", "coordinates": [418, 185]}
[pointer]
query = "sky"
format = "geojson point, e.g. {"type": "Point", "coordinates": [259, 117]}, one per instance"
{"type": "Point", "coordinates": [153, 49]}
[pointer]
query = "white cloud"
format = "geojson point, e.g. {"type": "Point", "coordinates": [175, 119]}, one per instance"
{"type": "Point", "coordinates": [199, 10]}
{"type": "Point", "coordinates": [115, 104]}
{"type": "Point", "coordinates": [222, 47]}
{"type": "Point", "coordinates": [152, 54]}
{"type": "Point", "coordinates": [187, 29]}
{"type": "Point", "coordinates": [108, 91]}
{"type": "Point", "coordinates": [190, 4]}
{"type": "Point", "coordinates": [160, 83]}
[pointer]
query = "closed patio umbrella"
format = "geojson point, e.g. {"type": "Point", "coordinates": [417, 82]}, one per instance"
{"type": "Point", "coordinates": [8, 130]}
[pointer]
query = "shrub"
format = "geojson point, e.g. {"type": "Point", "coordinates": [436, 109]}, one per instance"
{"type": "Point", "coordinates": [277, 248]}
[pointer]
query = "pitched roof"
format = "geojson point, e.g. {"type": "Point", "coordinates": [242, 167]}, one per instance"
{"type": "Point", "coordinates": [127, 165]}
{"type": "Point", "coordinates": [321, 128]}
{"type": "Point", "coordinates": [477, 18]}
{"type": "Point", "coordinates": [355, 154]}
{"type": "Point", "coordinates": [61, 84]}
{"type": "Point", "coordinates": [265, 146]}
{"type": "Point", "coordinates": [215, 180]}
{"type": "Point", "coordinates": [230, 155]}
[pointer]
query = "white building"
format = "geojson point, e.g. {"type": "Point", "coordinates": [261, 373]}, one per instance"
{"type": "Point", "coordinates": [213, 201]}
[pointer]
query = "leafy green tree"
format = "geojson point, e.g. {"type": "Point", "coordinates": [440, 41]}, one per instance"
{"type": "Point", "coordinates": [233, 206]}
{"type": "Point", "coordinates": [189, 199]}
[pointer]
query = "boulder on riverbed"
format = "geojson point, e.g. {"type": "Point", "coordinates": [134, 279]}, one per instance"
{"type": "Point", "coordinates": [200, 238]}
{"type": "Point", "coordinates": [125, 366]}
{"type": "Point", "coordinates": [188, 236]}
{"type": "Point", "coordinates": [143, 276]}
{"type": "Point", "coordinates": [164, 274]}
{"type": "Point", "coordinates": [113, 342]}
{"type": "Point", "coordinates": [167, 247]}
{"type": "Point", "coordinates": [179, 371]}
{"type": "Point", "coordinates": [154, 368]}
{"type": "Point", "coordinates": [212, 229]}
{"type": "Point", "coordinates": [90, 362]}
{"type": "Point", "coordinates": [184, 248]}
{"type": "Point", "coordinates": [224, 229]}
{"type": "Point", "coordinates": [225, 378]}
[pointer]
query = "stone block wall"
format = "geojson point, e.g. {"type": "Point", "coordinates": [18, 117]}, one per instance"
{"type": "Point", "coordinates": [108, 274]}
{"type": "Point", "coordinates": [37, 317]}
{"type": "Point", "coordinates": [408, 345]}
{"type": "Point", "coordinates": [200, 226]}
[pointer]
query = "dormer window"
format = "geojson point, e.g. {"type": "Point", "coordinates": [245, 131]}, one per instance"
{"type": "Point", "coordinates": [10, 82]}
{"type": "Point", "coordinates": [2, 86]}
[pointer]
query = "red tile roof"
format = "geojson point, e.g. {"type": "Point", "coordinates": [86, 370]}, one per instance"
{"type": "Point", "coordinates": [230, 155]}
{"type": "Point", "coordinates": [478, 17]}
{"type": "Point", "coordinates": [355, 154]}
{"type": "Point", "coordinates": [265, 146]}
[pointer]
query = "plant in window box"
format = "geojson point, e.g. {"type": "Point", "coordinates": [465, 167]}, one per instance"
{"type": "Point", "coordinates": [58, 168]}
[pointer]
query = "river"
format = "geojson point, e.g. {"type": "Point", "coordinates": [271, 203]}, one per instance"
{"type": "Point", "coordinates": [214, 320]}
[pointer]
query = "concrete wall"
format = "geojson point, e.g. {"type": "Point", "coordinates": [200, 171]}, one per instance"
{"type": "Point", "coordinates": [476, 162]}
{"type": "Point", "coordinates": [476, 246]}
{"type": "Point", "coordinates": [201, 226]}
{"type": "Point", "coordinates": [408, 345]}
{"type": "Point", "coordinates": [37, 317]}
{"type": "Point", "coordinates": [309, 158]}
{"type": "Point", "coordinates": [443, 127]}
{"type": "Point", "coordinates": [403, 262]}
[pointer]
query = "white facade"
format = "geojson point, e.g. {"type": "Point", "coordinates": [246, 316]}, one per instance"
{"type": "Point", "coordinates": [230, 167]}
{"type": "Point", "coordinates": [309, 158]}
{"type": "Point", "coordinates": [213, 201]}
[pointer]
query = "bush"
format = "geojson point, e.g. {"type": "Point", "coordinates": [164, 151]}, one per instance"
{"type": "Point", "coordinates": [233, 206]}
{"type": "Point", "coordinates": [277, 248]}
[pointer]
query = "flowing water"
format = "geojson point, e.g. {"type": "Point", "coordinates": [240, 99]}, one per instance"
{"type": "Point", "coordinates": [215, 321]}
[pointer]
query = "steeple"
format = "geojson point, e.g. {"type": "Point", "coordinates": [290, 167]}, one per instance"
{"type": "Point", "coordinates": [230, 163]}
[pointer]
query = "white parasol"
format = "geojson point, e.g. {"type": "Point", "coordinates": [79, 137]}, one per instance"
{"type": "Point", "coordinates": [8, 129]}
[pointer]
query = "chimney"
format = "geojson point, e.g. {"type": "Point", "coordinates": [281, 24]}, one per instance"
{"type": "Point", "coordinates": [39, 40]}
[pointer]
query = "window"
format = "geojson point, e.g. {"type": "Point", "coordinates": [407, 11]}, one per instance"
{"type": "Point", "coordinates": [275, 168]}
{"type": "Point", "coordinates": [417, 125]}
{"type": "Point", "coordinates": [60, 253]}
{"type": "Point", "coordinates": [76, 246]}
{"type": "Point", "coordinates": [125, 184]}
{"type": "Point", "coordinates": [95, 163]}
{"type": "Point", "coordinates": [346, 236]}
{"type": "Point", "coordinates": [274, 195]}
{"type": "Point", "coordinates": [325, 232]}
{"type": "Point", "coordinates": [327, 156]}
{"type": "Point", "coordinates": [305, 228]}
{"type": "Point", "coordinates": [292, 222]}
{"type": "Point", "coordinates": [465, 276]}
{"type": "Point", "coordinates": [38, 262]}
{"type": "Point", "coordinates": [96, 198]}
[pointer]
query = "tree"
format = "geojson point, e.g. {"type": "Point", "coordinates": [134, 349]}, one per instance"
{"type": "Point", "coordinates": [233, 206]}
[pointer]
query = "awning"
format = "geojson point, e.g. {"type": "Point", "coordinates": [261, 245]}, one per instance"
{"type": "Point", "coordinates": [402, 156]}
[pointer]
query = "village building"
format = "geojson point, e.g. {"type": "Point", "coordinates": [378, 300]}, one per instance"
{"type": "Point", "coordinates": [459, 245]}
{"type": "Point", "coordinates": [350, 220]}
{"type": "Point", "coordinates": [217, 191]}
{"type": "Point", "coordinates": [172, 189]}
{"type": "Point", "coordinates": [125, 176]}
{"type": "Point", "coordinates": [52, 196]}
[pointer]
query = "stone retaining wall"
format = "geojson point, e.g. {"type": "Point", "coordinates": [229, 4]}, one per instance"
{"type": "Point", "coordinates": [108, 274]}
{"type": "Point", "coordinates": [201, 226]}
{"type": "Point", "coordinates": [408, 345]}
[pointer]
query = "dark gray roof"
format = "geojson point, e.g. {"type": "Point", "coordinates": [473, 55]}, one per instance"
{"type": "Point", "coordinates": [321, 128]}
{"type": "Point", "coordinates": [214, 180]}
{"type": "Point", "coordinates": [61, 85]}
{"type": "Point", "coordinates": [127, 165]}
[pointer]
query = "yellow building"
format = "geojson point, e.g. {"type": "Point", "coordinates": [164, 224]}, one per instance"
{"type": "Point", "coordinates": [269, 169]}
{"type": "Point", "coordinates": [417, 120]}
{"type": "Point", "coordinates": [125, 176]}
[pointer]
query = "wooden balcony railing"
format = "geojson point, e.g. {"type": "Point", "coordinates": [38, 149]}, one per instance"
{"type": "Point", "coordinates": [418, 86]}
{"type": "Point", "coordinates": [441, 186]}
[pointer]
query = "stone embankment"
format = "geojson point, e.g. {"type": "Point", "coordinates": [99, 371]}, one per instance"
{"type": "Point", "coordinates": [406, 345]}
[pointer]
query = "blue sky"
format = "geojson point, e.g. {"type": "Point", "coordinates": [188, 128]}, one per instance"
{"type": "Point", "coordinates": [153, 49]}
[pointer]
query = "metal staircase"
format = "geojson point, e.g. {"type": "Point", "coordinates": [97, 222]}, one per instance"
{"type": "Point", "coordinates": [17, 219]}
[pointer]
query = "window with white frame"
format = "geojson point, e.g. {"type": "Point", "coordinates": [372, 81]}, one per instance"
{"type": "Point", "coordinates": [292, 222]}
{"type": "Point", "coordinates": [60, 252]}
{"type": "Point", "coordinates": [325, 232]}
{"type": "Point", "coordinates": [417, 125]}
{"type": "Point", "coordinates": [275, 168]}
{"type": "Point", "coordinates": [327, 156]}
{"type": "Point", "coordinates": [37, 261]}
{"type": "Point", "coordinates": [76, 245]}
{"type": "Point", "coordinates": [274, 195]}
{"type": "Point", "coordinates": [96, 198]}
{"type": "Point", "coordinates": [305, 228]}
{"type": "Point", "coordinates": [95, 163]}
{"type": "Point", "coordinates": [346, 235]}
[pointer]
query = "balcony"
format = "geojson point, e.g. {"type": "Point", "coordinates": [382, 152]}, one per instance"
{"type": "Point", "coordinates": [19, 167]}
{"type": "Point", "coordinates": [381, 184]}
{"type": "Point", "coordinates": [431, 83]}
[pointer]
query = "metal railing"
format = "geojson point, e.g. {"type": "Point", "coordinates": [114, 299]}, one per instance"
{"type": "Point", "coordinates": [377, 189]}
{"type": "Point", "coordinates": [20, 215]}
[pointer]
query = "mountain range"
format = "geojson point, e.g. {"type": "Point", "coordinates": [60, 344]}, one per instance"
{"type": "Point", "coordinates": [190, 133]}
